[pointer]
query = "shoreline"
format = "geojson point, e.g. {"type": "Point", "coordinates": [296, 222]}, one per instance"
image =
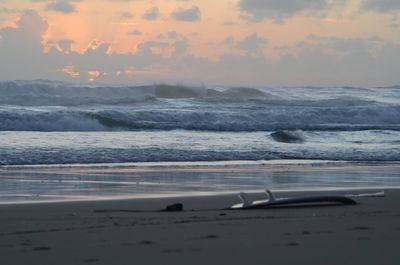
{"type": "Point", "coordinates": [37, 185]}
{"type": "Point", "coordinates": [221, 163]}
{"type": "Point", "coordinates": [339, 190]}
{"type": "Point", "coordinates": [134, 231]}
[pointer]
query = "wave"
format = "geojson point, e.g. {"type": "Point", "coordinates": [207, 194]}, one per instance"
{"type": "Point", "coordinates": [98, 156]}
{"type": "Point", "coordinates": [48, 93]}
{"type": "Point", "coordinates": [56, 106]}
{"type": "Point", "coordinates": [30, 148]}
{"type": "Point", "coordinates": [287, 137]}
{"type": "Point", "coordinates": [204, 117]}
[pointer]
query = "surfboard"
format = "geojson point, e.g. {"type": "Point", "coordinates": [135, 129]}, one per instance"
{"type": "Point", "coordinates": [271, 201]}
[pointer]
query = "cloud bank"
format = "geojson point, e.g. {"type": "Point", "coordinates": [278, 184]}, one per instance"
{"type": "Point", "coordinates": [317, 60]}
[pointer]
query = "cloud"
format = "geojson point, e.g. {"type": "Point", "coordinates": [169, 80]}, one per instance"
{"type": "Point", "coordinates": [147, 46]}
{"type": "Point", "coordinates": [343, 45]}
{"type": "Point", "coordinates": [135, 33]}
{"type": "Point", "coordinates": [5, 10]}
{"type": "Point", "coordinates": [189, 15]}
{"type": "Point", "coordinates": [317, 60]}
{"type": "Point", "coordinates": [381, 5]}
{"type": "Point", "coordinates": [394, 22]}
{"type": "Point", "coordinates": [126, 15]}
{"type": "Point", "coordinates": [63, 6]}
{"type": "Point", "coordinates": [252, 44]}
{"type": "Point", "coordinates": [279, 10]}
{"type": "Point", "coordinates": [173, 34]}
{"type": "Point", "coordinates": [151, 14]}
{"type": "Point", "coordinates": [170, 35]}
{"type": "Point", "coordinates": [65, 45]}
{"type": "Point", "coordinates": [30, 25]}
{"type": "Point", "coordinates": [20, 47]}
{"type": "Point", "coordinates": [180, 47]}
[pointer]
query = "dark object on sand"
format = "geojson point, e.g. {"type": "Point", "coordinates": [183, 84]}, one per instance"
{"type": "Point", "coordinates": [271, 201]}
{"type": "Point", "coordinates": [177, 207]}
{"type": "Point", "coordinates": [287, 137]}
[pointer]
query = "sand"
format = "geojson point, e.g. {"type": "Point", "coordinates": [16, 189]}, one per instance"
{"type": "Point", "coordinates": [110, 232]}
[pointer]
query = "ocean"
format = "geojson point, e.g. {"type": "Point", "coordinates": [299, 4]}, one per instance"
{"type": "Point", "coordinates": [47, 125]}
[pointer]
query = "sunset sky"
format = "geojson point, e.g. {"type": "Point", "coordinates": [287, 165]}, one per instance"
{"type": "Point", "coordinates": [227, 42]}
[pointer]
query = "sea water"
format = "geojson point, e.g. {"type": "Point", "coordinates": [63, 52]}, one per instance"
{"type": "Point", "coordinates": [53, 124]}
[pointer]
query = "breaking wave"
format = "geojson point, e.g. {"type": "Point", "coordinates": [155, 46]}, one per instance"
{"type": "Point", "coordinates": [56, 106]}
{"type": "Point", "coordinates": [49, 93]}
{"type": "Point", "coordinates": [204, 117]}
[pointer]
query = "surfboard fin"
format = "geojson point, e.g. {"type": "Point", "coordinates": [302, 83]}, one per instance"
{"type": "Point", "coordinates": [245, 199]}
{"type": "Point", "coordinates": [270, 196]}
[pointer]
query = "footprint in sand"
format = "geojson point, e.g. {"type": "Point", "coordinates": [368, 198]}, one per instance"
{"type": "Point", "coordinates": [170, 251]}
{"type": "Point", "coordinates": [361, 228]}
{"type": "Point", "coordinates": [146, 242]}
{"type": "Point", "coordinates": [42, 248]}
{"type": "Point", "coordinates": [212, 237]}
{"type": "Point", "coordinates": [292, 244]}
{"type": "Point", "coordinates": [92, 260]}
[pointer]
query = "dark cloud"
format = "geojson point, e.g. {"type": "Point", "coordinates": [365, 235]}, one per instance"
{"type": "Point", "coordinates": [170, 35]}
{"type": "Point", "coordinates": [151, 14]}
{"type": "Point", "coordinates": [126, 15]}
{"type": "Point", "coordinates": [279, 10]}
{"type": "Point", "coordinates": [381, 5]}
{"type": "Point", "coordinates": [63, 6]}
{"type": "Point", "coordinates": [21, 48]}
{"type": "Point", "coordinates": [135, 33]}
{"type": "Point", "coordinates": [189, 14]}
{"type": "Point", "coordinates": [252, 44]}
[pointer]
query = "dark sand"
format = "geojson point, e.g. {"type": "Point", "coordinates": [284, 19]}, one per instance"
{"type": "Point", "coordinates": [75, 233]}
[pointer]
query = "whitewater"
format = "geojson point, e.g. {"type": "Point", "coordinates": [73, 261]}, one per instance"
{"type": "Point", "coordinates": [45, 122]}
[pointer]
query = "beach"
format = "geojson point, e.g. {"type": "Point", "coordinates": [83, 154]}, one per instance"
{"type": "Point", "coordinates": [86, 169]}
{"type": "Point", "coordinates": [134, 232]}
{"type": "Point", "coordinates": [188, 132]}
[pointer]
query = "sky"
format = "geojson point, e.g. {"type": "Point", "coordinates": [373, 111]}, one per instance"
{"type": "Point", "coordinates": [218, 42]}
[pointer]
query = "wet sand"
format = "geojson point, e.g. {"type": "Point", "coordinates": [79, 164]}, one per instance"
{"type": "Point", "coordinates": [44, 183]}
{"type": "Point", "coordinates": [134, 232]}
